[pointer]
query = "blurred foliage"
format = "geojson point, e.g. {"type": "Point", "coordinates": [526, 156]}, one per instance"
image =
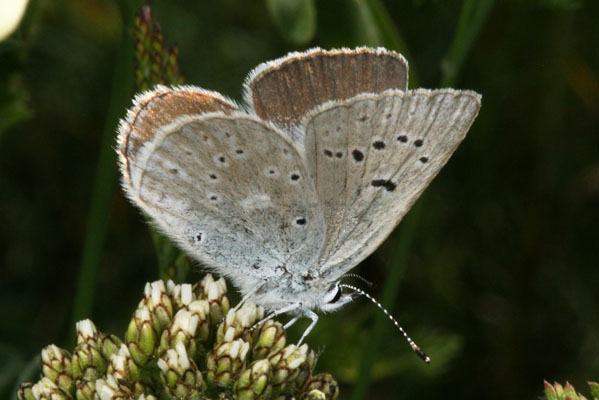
{"type": "Point", "coordinates": [295, 19]}
{"type": "Point", "coordinates": [499, 280]}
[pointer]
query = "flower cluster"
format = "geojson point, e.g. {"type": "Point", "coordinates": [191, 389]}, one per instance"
{"type": "Point", "coordinates": [156, 63]}
{"type": "Point", "coordinates": [567, 392]}
{"type": "Point", "coordinates": [183, 342]}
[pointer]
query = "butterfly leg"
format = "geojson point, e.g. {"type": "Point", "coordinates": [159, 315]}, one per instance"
{"type": "Point", "coordinates": [290, 323]}
{"type": "Point", "coordinates": [314, 317]}
{"type": "Point", "coordinates": [246, 297]}
{"type": "Point", "coordinates": [283, 310]}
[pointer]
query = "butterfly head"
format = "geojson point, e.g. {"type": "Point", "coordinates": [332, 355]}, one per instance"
{"type": "Point", "coordinates": [334, 298]}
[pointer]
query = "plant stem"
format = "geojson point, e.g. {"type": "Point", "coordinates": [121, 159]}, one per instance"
{"type": "Point", "coordinates": [105, 179]}
{"type": "Point", "coordinates": [472, 17]}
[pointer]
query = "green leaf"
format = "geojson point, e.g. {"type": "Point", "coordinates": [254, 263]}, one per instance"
{"type": "Point", "coordinates": [295, 19]}
{"type": "Point", "coordinates": [473, 15]}
{"type": "Point", "coordinates": [367, 30]}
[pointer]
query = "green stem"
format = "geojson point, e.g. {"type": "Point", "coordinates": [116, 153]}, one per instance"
{"type": "Point", "coordinates": [472, 17]}
{"type": "Point", "coordinates": [105, 179]}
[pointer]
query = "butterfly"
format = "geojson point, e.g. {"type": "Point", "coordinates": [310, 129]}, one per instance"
{"type": "Point", "coordinates": [288, 192]}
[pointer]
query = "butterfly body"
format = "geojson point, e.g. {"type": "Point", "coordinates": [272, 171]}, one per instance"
{"type": "Point", "coordinates": [285, 195]}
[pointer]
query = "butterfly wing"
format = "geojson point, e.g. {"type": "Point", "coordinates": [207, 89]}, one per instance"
{"type": "Point", "coordinates": [284, 90]}
{"type": "Point", "coordinates": [370, 158]}
{"type": "Point", "coordinates": [227, 186]}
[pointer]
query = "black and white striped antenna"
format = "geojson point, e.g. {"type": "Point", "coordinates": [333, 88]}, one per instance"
{"type": "Point", "coordinates": [413, 345]}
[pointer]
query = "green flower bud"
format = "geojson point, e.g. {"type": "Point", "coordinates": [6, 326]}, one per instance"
{"type": "Point", "coordinates": [216, 294]}
{"type": "Point", "coordinates": [86, 390]}
{"type": "Point", "coordinates": [270, 337]}
{"type": "Point", "coordinates": [122, 366]}
{"type": "Point", "coordinates": [559, 390]}
{"type": "Point", "coordinates": [594, 386]}
{"type": "Point", "coordinates": [56, 366]}
{"type": "Point", "coordinates": [181, 295]}
{"type": "Point", "coordinates": [550, 393]}
{"type": "Point", "coordinates": [155, 61]}
{"type": "Point", "coordinates": [109, 388]}
{"type": "Point", "coordinates": [88, 362]}
{"type": "Point", "coordinates": [237, 323]}
{"type": "Point", "coordinates": [159, 304]}
{"type": "Point", "coordinates": [324, 383]}
{"type": "Point", "coordinates": [87, 332]}
{"type": "Point", "coordinates": [181, 330]}
{"type": "Point", "coordinates": [253, 383]}
{"type": "Point", "coordinates": [141, 338]}
{"type": "Point", "coordinates": [226, 362]}
{"type": "Point", "coordinates": [201, 309]}
{"type": "Point", "coordinates": [109, 344]}
{"type": "Point", "coordinates": [45, 389]}
{"type": "Point", "coordinates": [304, 371]}
{"type": "Point", "coordinates": [314, 394]}
{"type": "Point", "coordinates": [180, 375]}
{"type": "Point", "coordinates": [146, 397]}
{"type": "Point", "coordinates": [570, 392]}
{"type": "Point", "coordinates": [286, 365]}
{"type": "Point", "coordinates": [25, 392]}
{"type": "Point", "coordinates": [567, 392]}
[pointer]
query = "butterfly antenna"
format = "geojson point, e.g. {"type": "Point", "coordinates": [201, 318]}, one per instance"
{"type": "Point", "coordinates": [366, 281]}
{"type": "Point", "coordinates": [413, 345]}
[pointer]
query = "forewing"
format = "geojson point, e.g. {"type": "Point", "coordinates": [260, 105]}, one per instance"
{"type": "Point", "coordinates": [284, 90]}
{"type": "Point", "coordinates": [157, 108]}
{"type": "Point", "coordinates": [372, 156]}
{"type": "Point", "coordinates": [229, 188]}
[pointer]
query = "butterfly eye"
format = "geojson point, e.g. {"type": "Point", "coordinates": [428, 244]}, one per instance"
{"type": "Point", "coordinates": [337, 296]}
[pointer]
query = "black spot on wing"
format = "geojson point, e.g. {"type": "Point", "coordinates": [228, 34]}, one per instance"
{"type": "Point", "coordinates": [379, 145]}
{"type": "Point", "coordinates": [358, 155]}
{"type": "Point", "coordinates": [384, 183]}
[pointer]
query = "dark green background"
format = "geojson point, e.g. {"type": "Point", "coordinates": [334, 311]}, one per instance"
{"type": "Point", "coordinates": [499, 284]}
